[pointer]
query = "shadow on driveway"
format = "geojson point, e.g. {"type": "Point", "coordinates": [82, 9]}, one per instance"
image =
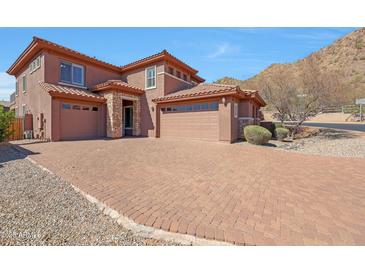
{"type": "Point", "coordinates": [9, 152]}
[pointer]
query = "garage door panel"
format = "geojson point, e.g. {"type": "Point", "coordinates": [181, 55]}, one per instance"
{"type": "Point", "coordinates": [196, 125]}
{"type": "Point", "coordinates": [78, 124]}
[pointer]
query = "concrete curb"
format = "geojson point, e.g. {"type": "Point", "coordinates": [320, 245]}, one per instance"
{"type": "Point", "coordinates": [137, 229]}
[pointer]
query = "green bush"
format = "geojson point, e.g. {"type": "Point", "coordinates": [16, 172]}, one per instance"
{"type": "Point", "coordinates": [281, 133]}
{"type": "Point", "coordinates": [256, 135]}
{"type": "Point", "coordinates": [6, 119]}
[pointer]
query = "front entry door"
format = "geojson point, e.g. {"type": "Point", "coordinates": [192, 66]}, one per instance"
{"type": "Point", "coordinates": [128, 120]}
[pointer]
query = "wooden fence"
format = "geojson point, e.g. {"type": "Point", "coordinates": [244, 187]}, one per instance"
{"type": "Point", "coordinates": [17, 129]}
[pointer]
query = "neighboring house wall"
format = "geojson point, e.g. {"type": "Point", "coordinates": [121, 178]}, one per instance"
{"type": "Point", "coordinates": [35, 99]}
{"type": "Point", "coordinates": [93, 74]}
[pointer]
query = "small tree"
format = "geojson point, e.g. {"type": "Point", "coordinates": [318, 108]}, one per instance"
{"type": "Point", "coordinates": [298, 96]}
{"type": "Point", "coordinates": [6, 119]}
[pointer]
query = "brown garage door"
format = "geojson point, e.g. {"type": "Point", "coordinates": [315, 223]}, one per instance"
{"type": "Point", "coordinates": [194, 124]}
{"type": "Point", "coordinates": [79, 121]}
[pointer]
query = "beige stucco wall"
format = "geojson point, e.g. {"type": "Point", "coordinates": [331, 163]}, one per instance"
{"type": "Point", "coordinates": [93, 74]}
{"type": "Point", "coordinates": [165, 84]}
{"type": "Point", "coordinates": [35, 98]}
{"type": "Point", "coordinates": [148, 113]}
{"type": "Point", "coordinates": [172, 84]}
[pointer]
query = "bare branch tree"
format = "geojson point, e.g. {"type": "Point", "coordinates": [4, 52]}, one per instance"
{"type": "Point", "coordinates": [298, 96]}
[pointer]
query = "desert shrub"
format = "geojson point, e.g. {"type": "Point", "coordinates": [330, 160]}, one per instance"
{"type": "Point", "coordinates": [278, 125]}
{"type": "Point", "coordinates": [281, 133]}
{"type": "Point", "coordinates": [256, 135]}
{"type": "Point", "coordinates": [270, 126]}
{"type": "Point", "coordinates": [274, 127]}
{"type": "Point", "coordinates": [6, 119]}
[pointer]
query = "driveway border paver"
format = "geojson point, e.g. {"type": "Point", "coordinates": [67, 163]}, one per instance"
{"type": "Point", "coordinates": [138, 229]}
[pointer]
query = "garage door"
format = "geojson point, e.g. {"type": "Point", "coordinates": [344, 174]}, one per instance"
{"type": "Point", "coordinates": [79, 121]}
{"type": "Point", "coordinates": [190, 122]}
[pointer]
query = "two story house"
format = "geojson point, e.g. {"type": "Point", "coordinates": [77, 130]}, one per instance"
{"type": "Point", "coordinates": [70, 96]}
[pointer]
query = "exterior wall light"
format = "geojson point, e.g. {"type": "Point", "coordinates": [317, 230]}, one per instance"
{"type": "Point", "coordinates": [224, 100]}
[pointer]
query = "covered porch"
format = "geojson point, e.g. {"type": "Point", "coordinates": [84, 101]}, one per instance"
{"type": "Point", "coordinates": [123, 108]}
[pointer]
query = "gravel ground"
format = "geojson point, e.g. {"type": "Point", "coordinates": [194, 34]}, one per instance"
{"type": "Point", "coordinates": [327, 142]}
{"type": "Point", "coordinates": [38, 208]}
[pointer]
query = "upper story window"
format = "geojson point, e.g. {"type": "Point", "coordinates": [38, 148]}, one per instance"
{"type": "Point", "coordinates": [35, 64]}
{"type": "Point", "coordinates": [171, 70]}
{"type": "Point", "coordinates": [71, 73]}
{"type": "Point", "coordinates": [151, 77]}
{"type": "Point", "coordinates": [16, 88]}
{"type": "Point", "coordinates": [24, 82]}
{"type": "Point", "coordinates": [24, 109]}
{"type": "Point", "coordinates": [178, 74]}
{"type": "Point", "coordinates": [185, 77]}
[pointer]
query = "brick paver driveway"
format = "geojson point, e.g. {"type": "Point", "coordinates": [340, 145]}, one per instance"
{"type": "Point", "coordinates": [235, 193]}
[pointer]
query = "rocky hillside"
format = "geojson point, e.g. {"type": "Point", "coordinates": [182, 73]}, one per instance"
{"type": "Point", "coordinates": [345, 57]}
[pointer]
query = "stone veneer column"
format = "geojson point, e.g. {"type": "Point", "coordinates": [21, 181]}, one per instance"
{"type": "Point", "coordinates": [114, 114]}
{"type": "Point", "coordinates": [137, 117]}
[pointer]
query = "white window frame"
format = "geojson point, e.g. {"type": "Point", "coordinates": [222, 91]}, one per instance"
{"type": "Point", "coordinates": [72, 74]}
{"type": "Point", "coordinates": [33, 65]}
{"type": "Point", "coordinates": [146, 74]}
{"type": "Point", "coordinates": [17, 88]}
{"type": "Point", "coordinates": [82, 72]}
{"type": "Point", "coordinates": [23, 88]}
{"type": "Point", "coordinates": [24, 107]}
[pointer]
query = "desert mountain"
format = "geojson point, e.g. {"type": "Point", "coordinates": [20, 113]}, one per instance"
{"type": "Point", "coordinates": [345, 57]}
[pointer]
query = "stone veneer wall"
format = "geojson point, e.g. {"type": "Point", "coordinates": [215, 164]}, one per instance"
{"type": "Point", "coordinates": [114, 119]}
{"type": "Point", "coordinates": [137, 117]}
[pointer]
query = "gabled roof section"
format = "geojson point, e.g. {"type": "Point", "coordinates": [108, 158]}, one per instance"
{"type": "Point", "coordinates": [71, 92]}
{"type": "Point", "coordinates": [39, 44]}
{"type": "Point", "coordinates": [163, 55]}
{"type": "Point", "coordinates": [117, 85]}
{"type": "Point", "coordinates": [210, 90]}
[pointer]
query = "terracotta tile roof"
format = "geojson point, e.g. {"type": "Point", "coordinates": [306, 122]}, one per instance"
{"type": "Point", "coordinates": [203, 90]}
{"type": "Point", "coordinates": [117, 84]}
{"type": "Point", "coordinates": [199, 90]}
{"type": "Point", "coordinates": [74, 52]}
{"type": "Point", "coordinates": [70, 91]}
{"type": "Point", "coordinates": [159, 56]}
{"type": "Point", "coordinates": [38, 44]}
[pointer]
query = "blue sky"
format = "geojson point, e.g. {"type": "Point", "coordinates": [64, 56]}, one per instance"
{"type": "Point", "coordinates": [215, 52]}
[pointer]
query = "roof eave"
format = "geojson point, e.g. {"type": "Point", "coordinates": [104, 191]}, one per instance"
{"type": "Point", "coordinates": [118, 88]}
{"type": "Point", "coordinates": [162, 56]}
{"type": "Point", "coordinates": [198, 78]}
{"type": "Point", "coordinates": [39, 44]}
{"type": "Point", "coordinates": [76, 97]}
{"type": "Point", "coordinates": [260, 100]}
{"type": "Point", "coordinates": [195, 97]}
{"type": "Point", "coordinates": [14, 68]}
